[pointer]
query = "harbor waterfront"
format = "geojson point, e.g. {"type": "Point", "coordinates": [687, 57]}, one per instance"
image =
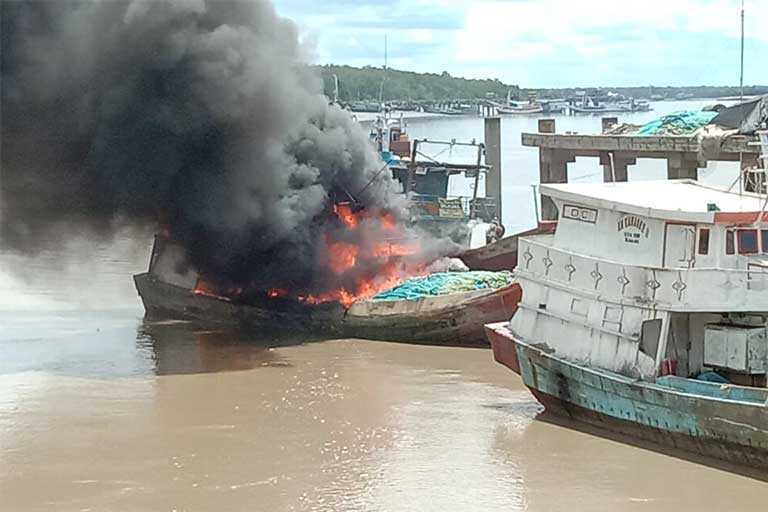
{"type": "Point", "coordinates": [104, 410]}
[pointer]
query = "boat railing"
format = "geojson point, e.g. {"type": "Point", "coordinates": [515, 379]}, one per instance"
{"type": "Point", "coordinates": [684, 289]}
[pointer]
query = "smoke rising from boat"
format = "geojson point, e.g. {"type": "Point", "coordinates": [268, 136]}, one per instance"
{"type": "Point", "coordinates": [199, 115]}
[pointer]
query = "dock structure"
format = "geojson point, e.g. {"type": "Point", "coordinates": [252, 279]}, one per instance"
{"type": "Point", "coordinates": [684, 154]}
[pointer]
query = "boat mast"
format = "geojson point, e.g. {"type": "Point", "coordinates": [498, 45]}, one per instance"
{"type": "Point", "coordinates": [384, 76]}
{"type": "Point", "coordinates": [741, 75]}
{"type": "Point", "coordinates": [743, 174]}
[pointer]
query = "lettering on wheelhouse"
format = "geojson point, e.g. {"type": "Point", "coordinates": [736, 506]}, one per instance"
{"type": "Point", "coordinates": [633, 227]}
{"type": "Point", "coordinates": [580, 213]}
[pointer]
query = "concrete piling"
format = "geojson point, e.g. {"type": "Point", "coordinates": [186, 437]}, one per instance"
{"type": "Point", "coordinates": [493, 160]}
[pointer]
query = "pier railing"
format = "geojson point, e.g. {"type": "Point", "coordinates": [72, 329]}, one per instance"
{"type": "Point", "coordinates": [694, 289]}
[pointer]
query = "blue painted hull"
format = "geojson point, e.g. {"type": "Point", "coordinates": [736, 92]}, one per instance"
{"type": "Point", "coordinates": [725, 423]}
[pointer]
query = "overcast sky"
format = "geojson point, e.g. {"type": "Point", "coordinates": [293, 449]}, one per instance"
{"type": "Point", "coordinates": [543, 43]}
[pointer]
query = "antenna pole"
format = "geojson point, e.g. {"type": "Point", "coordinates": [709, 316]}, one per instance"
{"type": "Point", "coordinates": [741, 76]}
{"type": "Point", "coordinates": [383, 76]}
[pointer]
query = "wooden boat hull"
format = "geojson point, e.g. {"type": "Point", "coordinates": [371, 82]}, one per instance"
{"type": "Point", "coordinates": [733, 430]}
{"type": "Point", "coordinates": [455, 320]}
{"type": "Point", "coordinates": [167, 301]}
{"type": "Point", "coordinates": [501, 254]}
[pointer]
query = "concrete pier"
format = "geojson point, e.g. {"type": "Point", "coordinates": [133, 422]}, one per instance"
{"type": "Point", "coordinates": [493, 160]}
{"type": "Point", "coordinates": [616, 153]}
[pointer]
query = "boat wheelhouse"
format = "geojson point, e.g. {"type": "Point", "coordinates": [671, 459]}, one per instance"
{"type": "Point", "coordinates": [646, 312]}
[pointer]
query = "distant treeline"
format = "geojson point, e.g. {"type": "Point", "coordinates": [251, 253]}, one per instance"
{"type": "Point", "coordinates": [360, 84]}
{"type": "Point", "coordinates": [367, 83]}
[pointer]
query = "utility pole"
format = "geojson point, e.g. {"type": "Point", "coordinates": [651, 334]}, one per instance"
{"type": "Point", "coordinates": [385, 36]}
{"type": "Point", "coordinates": [384, 74]}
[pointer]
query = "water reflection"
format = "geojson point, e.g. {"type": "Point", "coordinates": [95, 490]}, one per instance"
{"type": "Point", "coordinates": [118, 344]}
{"type": "Point", "coordinates": [184, 348]}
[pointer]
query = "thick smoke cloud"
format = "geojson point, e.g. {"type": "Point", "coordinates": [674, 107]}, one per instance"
{"type": "Point", "coordinates": [199, 115]}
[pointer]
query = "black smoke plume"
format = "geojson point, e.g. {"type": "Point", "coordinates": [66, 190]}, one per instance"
{"type": "Point", "coordinates": [199, 115]}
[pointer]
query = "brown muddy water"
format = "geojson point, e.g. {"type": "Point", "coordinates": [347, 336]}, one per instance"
{"type": "Point", "coordinates": [102, 411]}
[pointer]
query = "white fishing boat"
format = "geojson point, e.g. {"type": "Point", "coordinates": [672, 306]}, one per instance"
{"type": "Point", "coordinates": [522, 109]}
{"type": "Point", "coordinates": [532, 106]}
{"type": "Point", "coordinates": [646, 313]}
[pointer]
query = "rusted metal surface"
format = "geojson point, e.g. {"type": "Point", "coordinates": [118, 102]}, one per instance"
{"type": "Point", "coordinates": [735, 431]}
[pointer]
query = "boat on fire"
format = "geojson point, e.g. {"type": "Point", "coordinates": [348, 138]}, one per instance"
{"type": "Point", "coordinates": [173, 289]}
{"type": "Point", "coordinates": [646, 313]}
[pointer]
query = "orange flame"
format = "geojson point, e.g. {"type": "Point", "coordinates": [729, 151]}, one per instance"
{"type": "Point", "coordinates": [387, 276]}
{"type": "Point", "coordinates": [341, 256]}
{"type": "Point", "coordinates": [386, 258]}
{"type": "Point", "coordinates": [203, 287]}
{"type": "Point", "coordinates": [393, 249]}
{"type": "Point", "coordinates": [346, 215]}
{"type": "Point", "coordinates": [388, 222]}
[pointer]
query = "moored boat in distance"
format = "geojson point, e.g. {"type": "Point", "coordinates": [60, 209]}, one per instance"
{"type": "Point", "coordinates": [588, 105]}
{"type": "Point", "coordinates": [646, 314]}
{"type": "Point", "coordinates": [530, 107]}
{"type": "Point", "coordinates": [522, 109]}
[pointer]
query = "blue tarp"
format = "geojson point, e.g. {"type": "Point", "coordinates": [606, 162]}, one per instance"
{"type": "Point", "coordinates": [445, 283]}
{"type": "Point", "coordinates": [678, 123]}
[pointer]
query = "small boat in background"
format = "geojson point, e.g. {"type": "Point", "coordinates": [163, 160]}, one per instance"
{"type": "Point", "coordinates": [445, 110]}
{"type": "Point", "coordinates": [532, 106]}
{"type": "Point", "coordinates": [588, 105]}
{"type": "Point", "coordinates": [554, 106]}
{"type": "Point", "coordinates": [522, 109]}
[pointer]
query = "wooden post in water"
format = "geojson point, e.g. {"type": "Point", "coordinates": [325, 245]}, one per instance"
{"type": "Point", "coordinates": [493, 160]}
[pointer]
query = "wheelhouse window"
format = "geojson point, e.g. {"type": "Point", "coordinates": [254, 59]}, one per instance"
{"type": "Point", "coordinates": [704, 241]}
{"type": "Point", "coordinates": [764, 240]}
{"type": "Point", "coordinates": [748, 241]}
{"type": "Point", "coordinates": [730, 247]}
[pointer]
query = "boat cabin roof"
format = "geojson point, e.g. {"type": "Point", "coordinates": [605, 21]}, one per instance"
{"type": "Point", "coordinates": [674, 200]}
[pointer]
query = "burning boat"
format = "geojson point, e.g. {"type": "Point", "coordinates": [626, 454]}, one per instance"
{"type": "Point", "coordinates": [646, 314]}
{"type": "Point", "coordinates": [173, 289]}
{"type": "Point", "coordinates": [362, 253]}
